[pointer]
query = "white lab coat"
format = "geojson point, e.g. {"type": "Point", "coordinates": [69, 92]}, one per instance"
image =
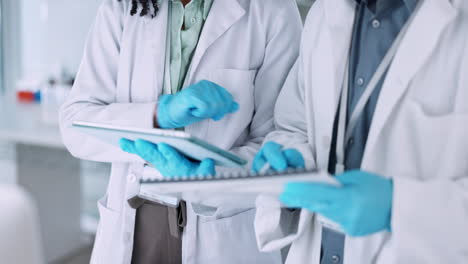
{"type": "Point", "coordinates": [247, 46]}
{"type": "Point", "coordinates": [418, 136]}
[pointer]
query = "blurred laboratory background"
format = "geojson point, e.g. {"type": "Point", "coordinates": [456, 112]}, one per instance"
{"type": "Point", "coordinates": [41, 44]}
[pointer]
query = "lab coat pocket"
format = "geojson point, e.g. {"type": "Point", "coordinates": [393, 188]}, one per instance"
{"type": "Point", "coordinates": [103, 245]}
{"type": "Point", "coordinates": [439, 142]}
{"type": "Point", "coordinates": [232, 240]}
{"type": "Point", "coordinates": [240, 83]}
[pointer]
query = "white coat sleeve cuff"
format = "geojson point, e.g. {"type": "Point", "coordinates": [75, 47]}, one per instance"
{"type": "Point", "coordinates": [306, 153]}
{"type": "Point", "coordinates": [273, 224]}
{"type": "Point", "coordinates": [87, 147]}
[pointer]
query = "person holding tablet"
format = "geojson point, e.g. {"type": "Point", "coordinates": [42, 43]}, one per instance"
{"type": "Point", "coordinates": [213, 68]}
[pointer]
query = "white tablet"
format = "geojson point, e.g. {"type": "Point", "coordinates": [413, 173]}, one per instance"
{"type": "Point", "coordinates": [188, 145]}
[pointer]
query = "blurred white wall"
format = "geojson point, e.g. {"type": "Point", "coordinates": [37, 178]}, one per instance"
{"type": "Point", "coordinates": [7, 163]}
{"type": "Point", "coordinates": [19, 227]}
{"type": "Point", "coordinates": [10, 26]}
{"type": "Point", "coordinates": [53, 32]}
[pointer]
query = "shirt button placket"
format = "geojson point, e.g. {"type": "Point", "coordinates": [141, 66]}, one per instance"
{"type": "Point", "coordinates": [360, 81]}
{"type": "Point", "coordinates": [335, 259]}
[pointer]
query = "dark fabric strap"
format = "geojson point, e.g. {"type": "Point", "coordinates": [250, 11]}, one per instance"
{"type": "Point", "coordinates": [177, 218]}
{"type": "Point", "coordinates": [136, 202]}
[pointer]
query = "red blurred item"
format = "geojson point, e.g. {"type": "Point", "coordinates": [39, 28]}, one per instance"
{"type": "Point", "coordinates": [25, 96]}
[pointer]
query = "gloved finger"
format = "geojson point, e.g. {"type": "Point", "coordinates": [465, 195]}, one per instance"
{"type": "Point", "coordinates": [229, 103]}
{"type": "Point", "coordinates": [217, 104]}
{"type": "Point", "coordinates": [171, 154]}
{"type": "Point", "coordinates": [274, 155]}
{"type": "Point", "coordinates": [292, 200]}
{"type": "Point", "coordinates": [221, 110]}
{"type": "Point", "coordinates": [226, 101]}
{"type": "Point", "coordinates": [331, 213]}
{"type": "Point", "coordinates": [206, 168]}
{"type": "Point", "coordinates": [356, 177]}
{"type": "Point", "coordinates": [218, 117]}
{"type": "Point", "coordinates": [149, 152]}
{"type": "Point", "coordinates": [328, 210]}
{"type": "Point", "coordinates": [234, 108]}
{"type": "Point", "coordinates": [200, 108]}
{"type": "Point", "coordinates": [128, 146]}
{"type": "Point", "coordinates": [258, 162]}
{"type": "Point", "coordinates": [221, 92]}
{"type": "Point", "coordinates": [221, 113]}
{"type": "Point", "coordinates": [294, 158]}
{"type": "Point", "coordinates": [165, 111]}
{"type": "Point", "coordinates": [356, 230]}
{"type": "Point", "coordinates": [316, 192]}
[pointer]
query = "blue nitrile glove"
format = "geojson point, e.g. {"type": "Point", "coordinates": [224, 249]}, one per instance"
{"type": "Point", "coordinates": [361, 206]}
{"type": "Point", "coordinates": [168, 161]}
{"type": "Point", "coordinates": [279, 159]}
{"type": "Point", "coordinates": [203, 100]}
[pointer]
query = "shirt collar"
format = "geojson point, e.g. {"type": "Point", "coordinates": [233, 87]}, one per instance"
{"type": "Point", "coordinates": [384, 4]}
{"type": "Point", "coordinates": [206, 7]}
{"type": "Point", "coordinates": [411, 4]}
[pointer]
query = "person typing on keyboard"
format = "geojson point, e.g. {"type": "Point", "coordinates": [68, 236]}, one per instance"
{"type": "Point", "coordinates": [378, 99]}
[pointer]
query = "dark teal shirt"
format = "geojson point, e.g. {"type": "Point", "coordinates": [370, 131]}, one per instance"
{"type": "Point", "coordinates": [378, 23]}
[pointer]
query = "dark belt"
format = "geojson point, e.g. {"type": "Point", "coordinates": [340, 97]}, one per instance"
{"type": "Point", "coordinates": [158, 232]}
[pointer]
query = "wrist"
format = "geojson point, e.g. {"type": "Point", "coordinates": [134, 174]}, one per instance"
{"type": "Point", "coordinates": [389, 214]}
{"type": "Point", "coordinates": [155, 118]}
{"type": "Point", "coordinates": [162, 119]}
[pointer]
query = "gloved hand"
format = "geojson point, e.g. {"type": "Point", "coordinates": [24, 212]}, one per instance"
{"type": "Point", "coordinates": [168, 161]}
{"type": "Point", "coordinates": [195, 103]}
{"type": "Point", "coordinates": [361, 206]}
{"type": "Point", "coordinates": [279, 159]}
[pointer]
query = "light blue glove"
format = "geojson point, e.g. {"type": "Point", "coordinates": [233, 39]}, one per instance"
{"type": "Point", "coordinates": [168, 161]}
{"type": "Point", "coordinates": [279, 159]}
{"type": "Point", "coordinates": [203, 100]}
{"type": "Point", "coordinates": [362, 206]}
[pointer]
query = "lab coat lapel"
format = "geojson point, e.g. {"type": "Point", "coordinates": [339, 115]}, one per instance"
{"type": "Point", "coordinates": [157, 30]}
{"type": "Point", "coordinates": [415, 50]}
{"type": "Point", "coordinates": [223, 14]}
{"type": "Point", "coordinates": [331, 58]}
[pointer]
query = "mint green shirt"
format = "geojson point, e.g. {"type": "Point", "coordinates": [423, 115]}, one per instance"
{"type": "Point", "coordinates": [186, 27]}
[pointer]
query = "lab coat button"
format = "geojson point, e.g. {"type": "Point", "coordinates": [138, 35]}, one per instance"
{"type": "Point", "coordinates": [335, 259]}
{"type": "Point", "coordinates": [326, 140]}
{"type": "Point", "coordinates": [132, 178]}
